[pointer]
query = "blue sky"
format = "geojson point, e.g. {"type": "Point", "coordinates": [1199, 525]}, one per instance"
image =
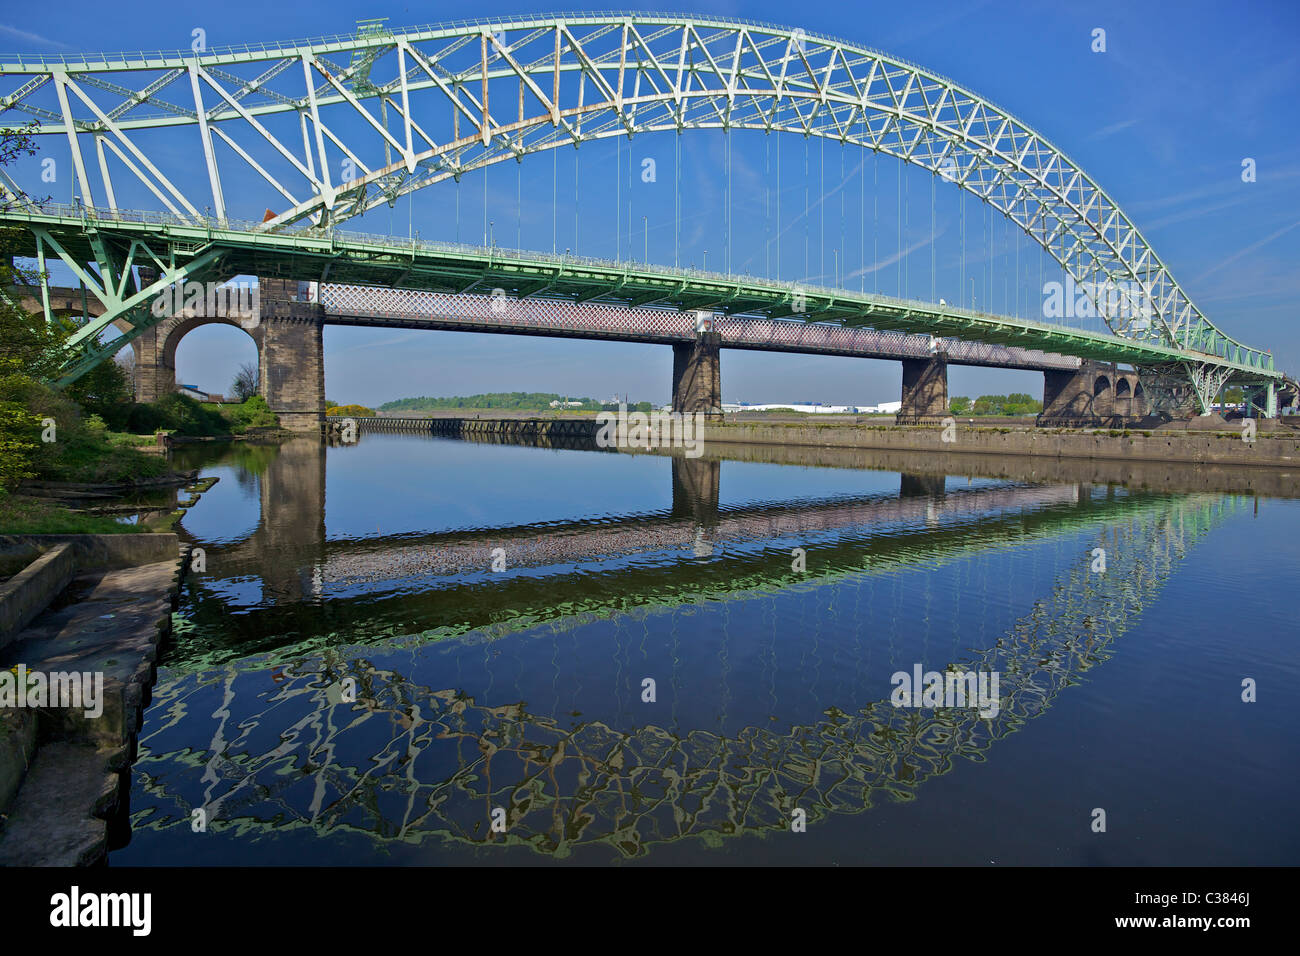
{"type": "Point", "coordinates": [1162, 120]}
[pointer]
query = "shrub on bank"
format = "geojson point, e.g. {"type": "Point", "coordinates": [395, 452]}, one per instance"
{"type": "Point", "coordinates": [254, 413]}
{"type": "Point", "coordinates": [59, 443]}
{"type": "Point", "coordinates": [349, 411]}
{"type": "Point", "coordinates": [186, 416]}
{"type": "Point", "coordinates": [179, 414]}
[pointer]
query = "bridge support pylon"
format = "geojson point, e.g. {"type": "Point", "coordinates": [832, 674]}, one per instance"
{"type": "Point", "coordinates": [291, 366]}
{"type": "Point", "coordinates": [697, 376]}
{"type": "Point", "coordinates": [925, 391]}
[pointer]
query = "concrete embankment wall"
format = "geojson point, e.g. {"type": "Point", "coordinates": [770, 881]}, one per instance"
{"type": "Point", "coordinates": [30, 591]}
{"type": "Point", "coordinates": [1271, 449]}
{"type": "Point", "coordinates": [62, 768]}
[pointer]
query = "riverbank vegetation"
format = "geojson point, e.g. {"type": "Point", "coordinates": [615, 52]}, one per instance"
{"type": "Point", "coordinates": [335, 410]}
{"type": "Point", "coordinates": [89, 432]}
{"type": "Point", "coordinates": [503, 401]}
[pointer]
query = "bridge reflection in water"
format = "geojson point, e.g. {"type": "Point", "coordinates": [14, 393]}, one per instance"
{"type": "Point", "coordinates": [418, 756]}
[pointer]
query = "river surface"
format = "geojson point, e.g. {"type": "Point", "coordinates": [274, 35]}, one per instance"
{"type": "Point", "coordinates": [420, 650]}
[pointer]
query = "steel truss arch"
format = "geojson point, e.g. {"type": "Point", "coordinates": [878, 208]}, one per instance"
{"type": "Point", "coordinates": [567, 80]}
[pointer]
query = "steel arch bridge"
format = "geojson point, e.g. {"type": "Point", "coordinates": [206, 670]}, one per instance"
{"type": "Point", "coordinates": [412, 108]}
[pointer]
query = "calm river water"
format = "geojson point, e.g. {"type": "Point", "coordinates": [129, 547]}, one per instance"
{"type": "Point", "coordinates": [420, 650]}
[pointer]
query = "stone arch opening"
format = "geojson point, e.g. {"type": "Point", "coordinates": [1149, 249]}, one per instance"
{"type": "Point", "coordinates": [156, 350]}
{"type": "Point", "coordinates": [1102, 396]}
{"type": "Point", "coordinates": [212, 357]}
{"type": "Point", "coordinates": [1122, 403]}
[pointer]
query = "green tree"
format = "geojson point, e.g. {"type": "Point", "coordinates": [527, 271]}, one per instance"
{"type": "Point", "coordinates": [29, 346]}
{"type": "Point", "coordinates": [19, 428]}
{"type": "Point", "coordinates": [104, 391]}
{"type": "Point", "coordinates": [959, 404]}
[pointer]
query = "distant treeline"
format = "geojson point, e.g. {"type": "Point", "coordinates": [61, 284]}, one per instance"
{"type": "Point", "coordinates": [1017, 403]}
{"type": "Point", "coordinates": [529, 401]}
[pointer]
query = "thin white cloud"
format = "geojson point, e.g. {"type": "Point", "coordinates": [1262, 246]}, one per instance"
{"type": "Point", "coordinates": [1196, 212]}
{"type": "Point", "coordinates": [1250, 248]}
{"type": "Point", "coordinates": [32, 37]}
{"type": "Point", "coordinates": [381, 344]}
{"type": "Point", "coordinates": [1113, 129]}
{"type": "Point", "coordinates": [890, 260]}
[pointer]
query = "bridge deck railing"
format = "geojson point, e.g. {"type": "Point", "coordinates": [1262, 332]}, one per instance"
{"type": "Point", "coordinates": [1227, 349]}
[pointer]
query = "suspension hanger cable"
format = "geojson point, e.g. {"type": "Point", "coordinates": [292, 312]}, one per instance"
{"type": "Point", "coordinates": [767, 205]}
{"type": "Point", "coordinates": [875, 218]}
{"type": "Point", "coordinates": [630, 247]}
{"type": "Point", "coordinates": [1018, 281]}
{"type": "Point", "coordinates": [618, 198]}
{"type": "Point", "coordinates": [842, 191]}
{"type": "Point", "coordinates": [821, 219]}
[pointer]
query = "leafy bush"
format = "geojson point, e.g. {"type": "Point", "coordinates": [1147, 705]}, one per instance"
{"type": "Point", "coordinates": [179, 414]}
{"type": "Point", "coordinates": [349, 411]}
{"type": "Point", "coordinates": [79, 448]}
{"type": "Point", "coordinates": [254, 413]}
{"type": "Point", "coordinates": [186, 416]}
{"type": "Point", "coordinates": [104, 391]}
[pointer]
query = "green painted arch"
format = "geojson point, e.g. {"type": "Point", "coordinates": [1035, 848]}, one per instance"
{"type": "Point", "coordinates": [584, 77]}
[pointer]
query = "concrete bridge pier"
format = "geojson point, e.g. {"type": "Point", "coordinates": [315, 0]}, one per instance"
{"type": "Point", "coordinates": [925, 390]}
{"type": "Point", "coordinates": [697, 375]}
{"type": "Point", "coordinates": [291, 359]}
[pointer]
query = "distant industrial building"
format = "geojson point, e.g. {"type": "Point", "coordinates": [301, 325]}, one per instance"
{"type": "Point", "coordinates": [193, 391]}
{"type": "Point", "coordinates": [815, 408]}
